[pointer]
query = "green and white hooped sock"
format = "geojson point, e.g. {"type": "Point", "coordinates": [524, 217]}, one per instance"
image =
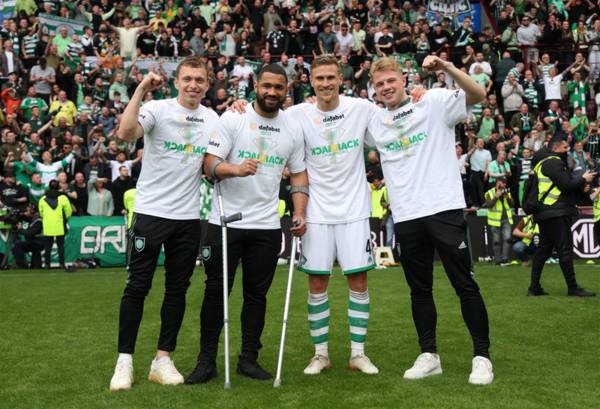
{"type": "Point", "coordinates": [318, 321]}
{"type": "Point", "coordinates": [358, 318]}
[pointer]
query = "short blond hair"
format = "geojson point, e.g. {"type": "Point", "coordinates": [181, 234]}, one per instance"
{"type": "Point", "coordinates": [325, 59]}
{"type": "Point", "coordinates": [385, 64]}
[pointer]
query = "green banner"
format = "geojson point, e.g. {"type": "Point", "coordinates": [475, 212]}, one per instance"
{"type": "Point", "coordinates": [54, 23]}
{"type": "Point", "coordinates": [104, 238]}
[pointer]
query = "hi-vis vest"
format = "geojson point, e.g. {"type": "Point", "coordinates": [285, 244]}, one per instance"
{"type": "Point", "coordinates": [529, 227]}
{"type": "Point", "coordinates": [282, 209]}
{"type": "Point", "coordinates": [494, 216]}
{"type": "Point", "coordinates": [128, 201]}
{"type": "Point", "coordinates": [544, 184]}
{"type": "Point", "coordinates": [597, 207]}
{"type": "Point", "coordinates": [378, 197]}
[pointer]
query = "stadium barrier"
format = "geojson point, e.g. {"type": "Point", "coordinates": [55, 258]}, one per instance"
{"type": "Point", "coordinates": [105, 238]}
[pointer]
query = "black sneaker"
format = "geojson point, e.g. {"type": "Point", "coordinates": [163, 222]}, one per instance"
{"type": "Point", "coordinates": [580, 292]}
{"type": "Point", "coordinates": [252, 369]}
{"type": "Point", "coordinates": [535, 292]}
{"type": "Point", "coordinates": [203, 372]}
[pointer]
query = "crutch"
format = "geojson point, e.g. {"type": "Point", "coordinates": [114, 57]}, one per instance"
{"type": "Point", "coordinates": [224, 221]}
{"type": "Point", "coordinates": [286, 308]}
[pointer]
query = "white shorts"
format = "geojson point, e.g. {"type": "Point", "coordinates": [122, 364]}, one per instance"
{"type": "Point", "coordinates": [349, 243]}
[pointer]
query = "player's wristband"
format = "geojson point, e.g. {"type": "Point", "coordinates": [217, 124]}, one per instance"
{"type": "Point", "coordinates": [299, 189]}
{"type": "Point", "coordinates": [213, 168]}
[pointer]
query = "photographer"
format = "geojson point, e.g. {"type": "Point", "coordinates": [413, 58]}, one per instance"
{"type": "Point", "coordinates": [29, 239]}
{"type": "Point", "coordinates": [499, 201]}
{"type": "Point", "coordinates": [527, 232]}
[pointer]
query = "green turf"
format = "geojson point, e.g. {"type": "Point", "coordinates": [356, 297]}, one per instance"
{"type": "Point", "coordinates": [60, 329]}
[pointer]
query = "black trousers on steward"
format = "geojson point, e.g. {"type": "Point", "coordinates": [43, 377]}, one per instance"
{"type": "Point", "coordinates": [554, 234]}
{"type": "Point", "coordinates": [258, 252]}
{"type": "Point", "coordinates": [445, 232]}
{"type": "Point", "coordinates": [48, 243]}
{"type": "Point", "coordinates": [146, 236]}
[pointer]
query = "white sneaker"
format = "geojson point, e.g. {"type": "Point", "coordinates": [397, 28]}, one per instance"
{"type": "Point", "coordinates": [122, 379]}
{"type": "Point", "coordinates": [425, 365]}
{"type": "Point", "coordinates": [317, 364]}
{"type": "Point", "coordinates": [481, 374]}
{"type": "Point", "coordinates": [163, 371]}
{"type": "Point", "coordinates": [362, 363]}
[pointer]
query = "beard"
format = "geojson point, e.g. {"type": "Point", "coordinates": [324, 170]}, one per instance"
{"type": "Point", "coordinates": [262, 103]}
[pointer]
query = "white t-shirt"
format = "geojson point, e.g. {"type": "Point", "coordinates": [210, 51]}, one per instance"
{"type": "Point", "coordinates": [175, 140]}
{"type": "Point", "coordinates": [552, 87]}
{"type": "Point", "coordinates": [241, 72]}
{"type": "Point", "coordinates": [345, 42]}
{"type": "Point", "coordinates": [275, 142]}
{"type": "Point", "coordinates": [416, 143]}
{"type": "Point", "coordinates": [115, 166]}
{"type": "Point", "coordinates": [462, 164]}
{"type": "Point", "coordinates": [334, 140]}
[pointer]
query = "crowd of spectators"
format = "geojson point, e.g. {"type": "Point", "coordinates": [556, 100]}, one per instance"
{"type": "Point", "coordinates": [63, 92]}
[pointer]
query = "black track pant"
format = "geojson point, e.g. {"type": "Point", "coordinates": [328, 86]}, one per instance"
{"type": "Point", "coordinates": [60, 243]}
{"type": "Point", "coordinates": [21, 248]}
{"type": "Point", "coordinates": [258, 251]}
{"type": "Point", "coordinates": [445, 232]}
{"type": "Point", "coordinates": [147, 235]}
{"type": "Point", "coordinates": [554, 234]}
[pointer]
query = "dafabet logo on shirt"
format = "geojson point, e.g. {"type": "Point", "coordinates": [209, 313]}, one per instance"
{"type": "Point", "coordinates": [185, 148]}
{"type": "Point", "coordinates": [406, 142]}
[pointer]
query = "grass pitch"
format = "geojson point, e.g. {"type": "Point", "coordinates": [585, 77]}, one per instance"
{"type": "Point", "coordinates": [60, 330]}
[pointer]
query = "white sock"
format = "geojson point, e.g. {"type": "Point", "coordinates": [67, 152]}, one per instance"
{"type": "Point", "coordinates": [162, 358]}
{"type": "Point", "coordinates": [322, 349]}
{"type": "Point", "coordinates": [125, 358]}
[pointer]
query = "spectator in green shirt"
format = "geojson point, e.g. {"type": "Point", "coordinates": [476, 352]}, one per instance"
{"type": "Point", "coordinates": [31, 101]}
{"type": "Point", "coordinates": [579, 124]}
{"type": "Point", "coordinates": [22, 169]}
{"type": "Point", "coordinates": [577, 91]}
{"type": "Point", "coordinates": [486, 125]}
{"type": "Point", "coordinates": [118, 86]}
{"type": "Point", "coordinates": [37, 189]}
{"type": "Point", "coordinates": [62, 40]}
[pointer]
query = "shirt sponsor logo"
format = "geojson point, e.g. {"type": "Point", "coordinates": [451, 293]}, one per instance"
{"type": "Point", "coordinates": [406, 142]}
{"type": "Point", "coordinates": [333, 118]}
{"type": "Point", "coordinates": [185, 148]}
{"type": "Point", "coordinates": [268, 128]}
{"type": "Point", "coordinates": [193, 119]}
{"type": "Point", "coordinates": [402, 114]}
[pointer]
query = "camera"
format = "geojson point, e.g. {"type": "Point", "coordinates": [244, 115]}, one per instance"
{"type": "Point", "coordinates": [13, 216]}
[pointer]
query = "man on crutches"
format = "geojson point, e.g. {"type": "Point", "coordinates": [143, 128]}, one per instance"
{"type": "Point", "coordinates": [247, 155]}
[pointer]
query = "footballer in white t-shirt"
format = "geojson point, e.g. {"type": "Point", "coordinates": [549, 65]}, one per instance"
{"type": "Point", "coordinates": [338, 210]}
{"type": "Point", "coordinates": [416, 142]}
{"type": "Point", "coordinates": [166, 211]}
{"type": "Point", "coordinates": [247, 154]}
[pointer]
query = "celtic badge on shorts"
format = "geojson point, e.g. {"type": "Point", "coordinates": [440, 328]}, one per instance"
{"type": "Point", "coordinates": [140, 244]}
{"type": "Point", "coordinates": [205, 252]}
